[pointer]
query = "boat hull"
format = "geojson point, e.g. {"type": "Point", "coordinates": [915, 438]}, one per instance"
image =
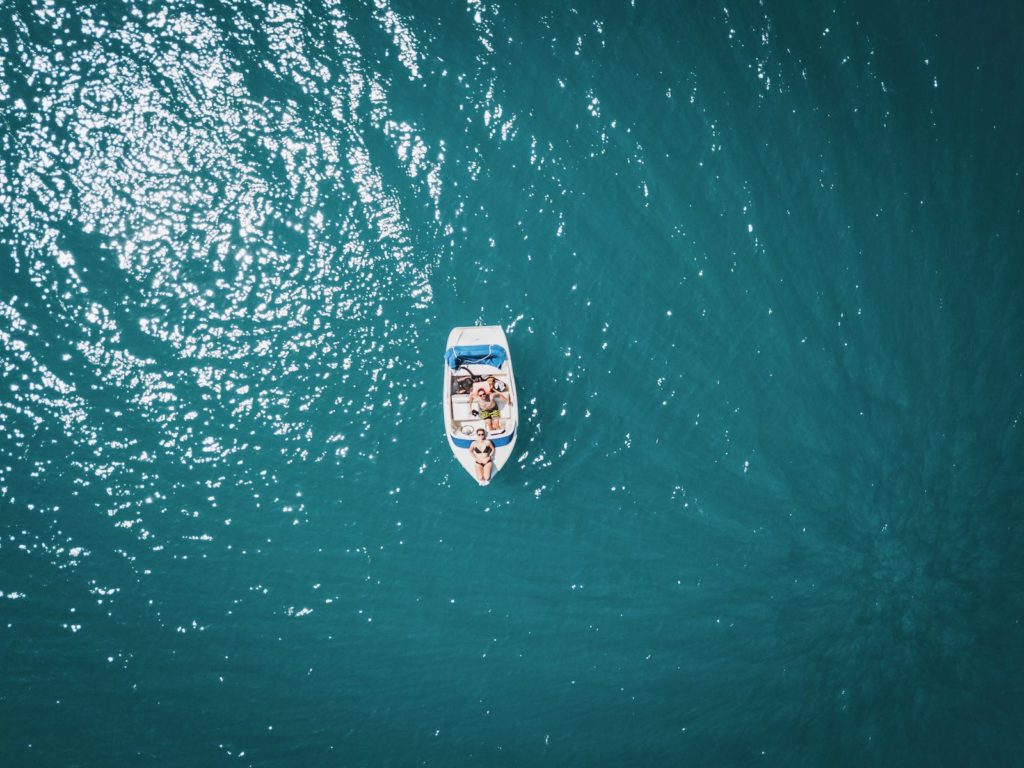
{"type": "Point", "coordinates": [471, 355]}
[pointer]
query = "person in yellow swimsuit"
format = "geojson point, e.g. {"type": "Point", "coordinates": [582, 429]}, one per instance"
{"type": "Point", "coordinates": [490, 410]}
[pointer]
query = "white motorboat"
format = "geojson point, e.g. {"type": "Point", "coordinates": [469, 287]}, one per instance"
{"type": "Point", "coordinates": [472, 356]}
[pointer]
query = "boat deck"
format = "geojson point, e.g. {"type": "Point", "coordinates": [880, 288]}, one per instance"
{"type": "Point", "coordinates": [464, 423]}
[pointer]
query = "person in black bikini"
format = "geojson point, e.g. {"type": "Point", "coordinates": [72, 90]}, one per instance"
{"type": "Point", "coordinates": [483, 454]}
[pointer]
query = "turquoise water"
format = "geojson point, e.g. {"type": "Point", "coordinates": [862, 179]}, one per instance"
{"type": "Point", "coordinates": [761, 272]}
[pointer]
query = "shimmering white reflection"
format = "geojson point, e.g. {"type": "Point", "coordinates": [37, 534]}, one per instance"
{"type": "Point", "coordinates": [249, 270]}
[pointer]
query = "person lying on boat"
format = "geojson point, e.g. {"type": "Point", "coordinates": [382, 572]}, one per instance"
{"type": "Point", "coordinates": [490, 410]}
{"type": "Point", "coordinates": [482, 451]}
{"type": "Point", "coordinates": [493, 385]}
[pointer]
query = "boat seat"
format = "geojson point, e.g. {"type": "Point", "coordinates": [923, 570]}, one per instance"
{"type": "Point", "coordinates": [461, 408]}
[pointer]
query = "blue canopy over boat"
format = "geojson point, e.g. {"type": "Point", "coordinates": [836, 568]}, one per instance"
{"type": "Point", "coordinates": [476, 354]}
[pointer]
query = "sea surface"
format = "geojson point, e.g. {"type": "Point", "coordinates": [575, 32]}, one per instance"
{"type": "Point", "coordinates": [761, 267]}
